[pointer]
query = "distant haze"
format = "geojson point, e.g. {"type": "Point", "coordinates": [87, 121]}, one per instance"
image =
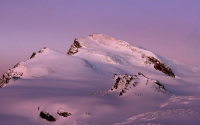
{"type": "Point", "coordinates": [170, 28]}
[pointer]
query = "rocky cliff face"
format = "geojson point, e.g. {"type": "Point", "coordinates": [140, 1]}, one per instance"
{"type": "Point", "coordinates": [74, 47]}
{"type": "Point", "coordinates": [158, 65]}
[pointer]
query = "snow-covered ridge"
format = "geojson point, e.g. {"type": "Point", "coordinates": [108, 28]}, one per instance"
{"type": "Point", "coordinates": [17, 71]}
{"type": "Point", "coordinates": [49, 63]}
{"type": "Point", "coordinates": [40, 51]}
{"type": "Point", "coordinates": [96, 48]}
{"type": "Point", "coordinates": [104, 48]}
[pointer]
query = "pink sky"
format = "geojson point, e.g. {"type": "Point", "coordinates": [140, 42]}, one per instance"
{"type": "Point", "coordinates": [169, 28]}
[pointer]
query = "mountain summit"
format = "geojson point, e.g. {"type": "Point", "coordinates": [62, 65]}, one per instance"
{"type": "Point", "coordinates": [104, 48]}
{"type": "Point", "coordinates": [99, 81]}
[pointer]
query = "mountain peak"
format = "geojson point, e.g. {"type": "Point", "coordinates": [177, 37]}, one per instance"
{"type": "Point", "coordinates": [102, 38]}
{"type": "Point", "coordinates": [105, 49]}
{"type": "Point", "coordinates": [73, 89]}
{"type": "Point", "coordinates": [91, 51]}
{"type": "Point", "coordinates": [109, 41]}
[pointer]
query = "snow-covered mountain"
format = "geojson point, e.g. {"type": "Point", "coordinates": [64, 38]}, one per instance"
{"type": "Point", "coordinates": [100, 81]}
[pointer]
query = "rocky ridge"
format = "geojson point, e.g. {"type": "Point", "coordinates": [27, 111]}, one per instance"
{"type": "Point", "coordinates": [126, 82]}
{"type": "Point", "coordinates": [74, 47]}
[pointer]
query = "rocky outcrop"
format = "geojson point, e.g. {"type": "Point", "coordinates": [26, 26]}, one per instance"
{"type": "Point", "coordinates": [47, 116]}
{"type": "Point", "coordinates": [17, 71]}
{"type": "Point", "coordinates": [12, 74]}
{"type": "Point", "coordinates": [126, 82]}
{"type": "Point", "coordinates": [64, 114]}
{"type": "Point", "coordinates": [158, 65]}
{"type": "Point", "coordinates": [74, 47]}
{"type": "Point", "coordinates": [33, 55]}
{"type": "Point", "coordinates": [61, 112]}
{"type": "Point", "coordinates": [40, 51]}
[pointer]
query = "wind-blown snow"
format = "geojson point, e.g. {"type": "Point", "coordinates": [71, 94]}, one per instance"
{"type": "Point", "coordinates": [79, 86]}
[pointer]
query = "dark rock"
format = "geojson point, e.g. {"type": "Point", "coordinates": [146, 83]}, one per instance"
{"type": "Point", "coordinates": [47, 116]}
{"type": "Point", "coordinates": [33, 55]}
{"type": "Point", "coordinates": [116, 83]}
{"type": "Point", "coordinates": [42, 50]}
{"type": "Point", "coordinates": [131, 78]}
{"type": "Point", "coordinates": [123, 91]}
{"type": "Point", "coordinates": [115, 76]}
{"type": "Point", "coordinates": [64, 114]}
{"type": "Point", "coordinates": [126, 82]}
{"type": "Point", "coordinates": [160, 85]}
{"type": "Point", "coordinates": [10, 75]}
{"type": "Point", "coordinates": [74, 47]}
{"type": "Point", "coordinates": [120, 94]}
{"type": "Point", "coordinates": [140, 74]}
{"type": "Point", "coordinates": [18, 64]}
{"type": "Point", "coordinates": [158, 65]}
{"type": "Point", "coordinates": [15, 78]}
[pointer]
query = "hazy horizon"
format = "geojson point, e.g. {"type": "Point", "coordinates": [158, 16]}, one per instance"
{"type": "Point", "coordinates": [168, 28]}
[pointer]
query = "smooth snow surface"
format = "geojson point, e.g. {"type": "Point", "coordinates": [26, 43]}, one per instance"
{"type": "Point", "coordinates": [81, 85]}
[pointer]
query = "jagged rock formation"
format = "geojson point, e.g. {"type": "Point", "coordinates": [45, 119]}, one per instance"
{"type": "Point", "coordinates": [12, 74]}
{"type": "Point", "coordinates": [74, 47]}
{"type": "Point", "coordinates": [158, 65]}
{"type": "Point", "coordinates": [47, 116]}
{"type": "Point", "coordinates": [127, 82]}
{"type": "Point", "coordinates": [63, 113]}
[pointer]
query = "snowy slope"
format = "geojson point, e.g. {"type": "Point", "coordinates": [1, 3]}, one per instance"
{"type": "Point", "coordinates": [100, 81]}
{"type": "Point", "coordinates": [102, 48]}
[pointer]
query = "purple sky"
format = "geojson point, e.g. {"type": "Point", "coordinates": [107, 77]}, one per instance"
{"type": "Point", "coordinates": [170, 28]}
